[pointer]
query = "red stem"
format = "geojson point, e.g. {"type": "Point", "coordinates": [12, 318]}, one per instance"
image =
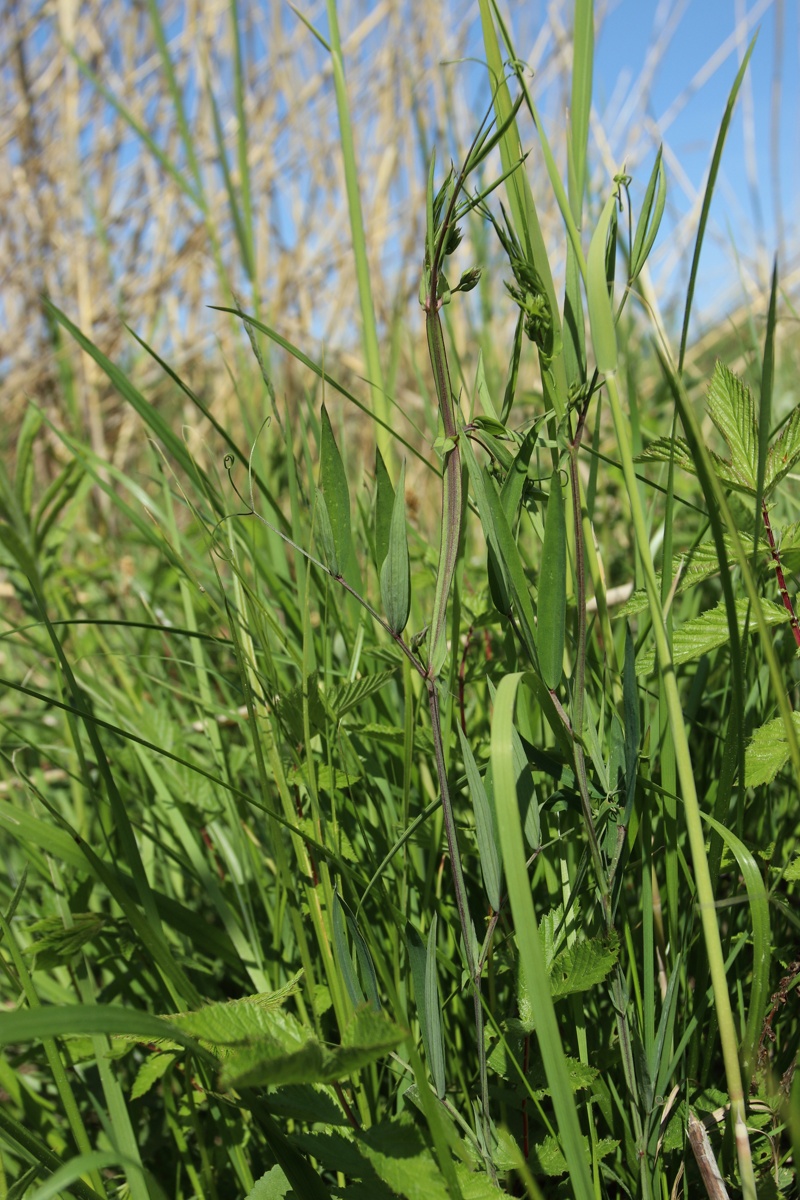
{"type": "Point", "coordinates": [785, 597]}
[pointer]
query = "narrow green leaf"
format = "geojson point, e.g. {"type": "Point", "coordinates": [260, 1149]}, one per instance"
{"type": "Point", "coordinates": [581, 106]}
{"type": "Point", "coordinates": [418, 961]}
{"type": "Point", "coordinates": [333, 484]}
{"type": "Point", "coordinates": [396, 569]}
{"type": "Point", "coordinates": [364, 957]}
{"type": "Point", "coordinates": [384, 507]}
{"type": "Point", "coordinates": [324, 534]}
{"type": "Point", "coordinates": [655, 198]}
{"type": "Point", "coordinates": [433, 1009]}
{"type": "Point", "coordinates": [762, 943]}
{"type": "Point", "coordinates": [532, 965]}
{"type": "Point", "coordinates": [601, 313]}
{"type": "Point", "coordinates": [552, 605]}
{"type": "Point", "coordinates": [344, 958]}
{"type": "Point", "coordinates": [711, 182]}
{"type": "Point", "coordinates": [484, 824]}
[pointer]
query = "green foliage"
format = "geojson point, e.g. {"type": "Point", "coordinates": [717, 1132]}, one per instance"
{"type": "Point", "coordinates": [337, 870]}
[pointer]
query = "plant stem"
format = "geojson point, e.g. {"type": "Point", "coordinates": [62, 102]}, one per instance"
{"type": "Point", "coordinates": [785, 597]}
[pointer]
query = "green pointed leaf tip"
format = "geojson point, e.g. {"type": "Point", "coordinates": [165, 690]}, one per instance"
{"type": "Point", "coordinates": [333, 485]}
{"type": "Point", "coordinates": [709, 631]}
{"type": "Point", "coordinates": [647, 227]}
{"type": "Point", "coordinates": [396, 569]}
{"type": "Point", "coordinates": [601, 314]}
{"type": "Point", "coordinates": [552, 607]}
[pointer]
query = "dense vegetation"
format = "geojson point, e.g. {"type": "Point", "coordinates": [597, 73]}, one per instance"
{"type": "Point", "coordinates": [433, 834]}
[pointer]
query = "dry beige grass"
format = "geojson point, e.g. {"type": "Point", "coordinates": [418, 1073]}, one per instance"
{"type": "Point", "coordinates": [92, 218]}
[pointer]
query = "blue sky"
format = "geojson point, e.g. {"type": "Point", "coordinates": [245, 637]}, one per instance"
{"type": "Point", "coordinates": [740, 224]}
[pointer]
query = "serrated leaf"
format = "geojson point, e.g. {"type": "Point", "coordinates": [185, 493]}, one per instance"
{"type": "Point", "coordinates": [768, 752]}
{"type": "Point", "coordinates": [336, 1151]}
{"type": "Point", "coordinates": [687, 571]}
{"type": "Point", "coordinates": [396, 569]}
{"type": "Point", "coordinates": [269, 1062]}
{"type": "Point", "coordinates": [784, 453]}
{"type": "Point", "coordinates": [792, 872]}
{"type": "Point", "coordinates": [547, 1157]}
{"type": "Point", "coordinates": [272, 1186]}
{"type": "Point", "coordinates": [664, 449]}
{"type": "Point", "coordinates": [56, 944]}
{"type": "Point", "coordinates": [552, 603]}
{"type": "Point", "coordinates": [399, 1157]}
{"type": "Point", "coordinates": [342, 700]}
{"type": "Point", "coordinates": [731, 408]}
{"type": "Point", "coordinates": [709, 631]}
{"type": "Point", "coordinates": [152, 1070]}
{"type": "Point", "coordinates": [394, 735]}
{"type": "Point", "coordinates": [582, 965]}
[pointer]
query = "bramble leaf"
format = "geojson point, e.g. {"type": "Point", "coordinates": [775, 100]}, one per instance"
{"type": "Point", "coordinates": [709, 631]}
{"type": "Point", "coordinates": [731, 408]}
{"type": "Point", "coordinates": [768, 752]}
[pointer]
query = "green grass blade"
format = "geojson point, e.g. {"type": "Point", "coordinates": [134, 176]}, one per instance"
{"type": "Point", "coordinates": [532, 963]}
{"type": "Point", "coordinates": [552, 603]}
{"type": "Point", "coordinates": [716, 159]}
{"type": "Point", "coordinates": [762, 944]}
{"type": "Point", "coordinates": [581, 107]}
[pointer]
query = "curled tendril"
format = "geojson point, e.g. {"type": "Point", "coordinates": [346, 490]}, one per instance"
{"type": "Point", "coordinates": [227, 463]}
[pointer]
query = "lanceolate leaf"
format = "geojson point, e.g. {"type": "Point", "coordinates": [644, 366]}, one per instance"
{"type": "Point", "coordinates": [552, 608]}
{"type": "Point", "coordinates": [601, 316]}
{"type": "Point", "coordinates": [433, 1008]}
{"type": "Point", "coordinates": [396, 569]}
{"type": "Point", "coordinates": [484, 824]}
{"type": "Point", "coordinates": [333, 484]}
{"type": "Point", "coordinates": [647, 227]}
{"type": "Point", "coordinates": [384, 506]}
{"type": "Point", "coordinates": [710, 631]}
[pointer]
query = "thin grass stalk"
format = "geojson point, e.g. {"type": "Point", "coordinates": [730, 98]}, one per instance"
{"type": "Point", "coordinates": [705, 894]}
